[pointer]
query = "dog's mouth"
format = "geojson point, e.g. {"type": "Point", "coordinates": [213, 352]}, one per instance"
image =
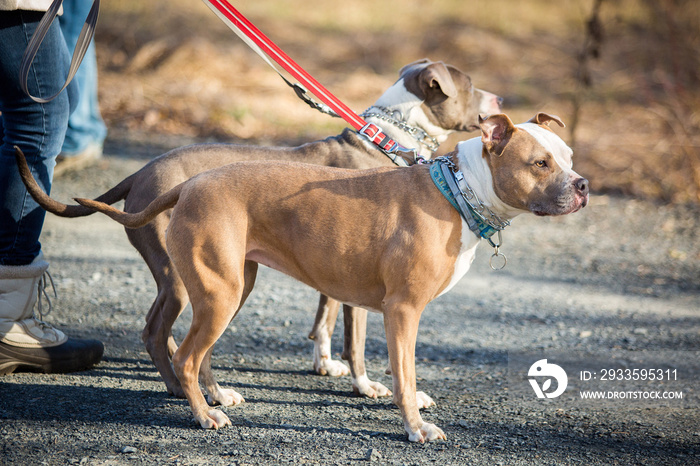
{"type": "Point", "coordinates": [579, 203]}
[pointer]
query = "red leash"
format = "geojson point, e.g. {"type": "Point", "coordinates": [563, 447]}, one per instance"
{"type": "Point", "coordinates": [259, 42]}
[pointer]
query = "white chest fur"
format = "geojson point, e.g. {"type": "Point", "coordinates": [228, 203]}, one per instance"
{"type": "Point", "coordinates": [467, 252]}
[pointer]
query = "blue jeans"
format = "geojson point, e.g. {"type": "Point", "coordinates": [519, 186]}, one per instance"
{"type": "Point", "coordinates": [38, 129]}
{"type": "Point", "coordinates": [85, 125]}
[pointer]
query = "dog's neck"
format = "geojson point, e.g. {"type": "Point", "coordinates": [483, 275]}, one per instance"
{"type": "Point", "coordinates": [399, 100]}
{"type": "Point", "coordinates": [478, 176]}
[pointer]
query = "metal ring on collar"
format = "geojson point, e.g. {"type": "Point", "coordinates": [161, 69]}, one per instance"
{"type": "Point", "coordinates": [496, 253]}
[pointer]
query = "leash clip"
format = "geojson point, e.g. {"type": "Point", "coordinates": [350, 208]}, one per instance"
{"type": "Point", "coordinates": [421, 160]}
{"type": "Point", "coordinates": [303, 94]}
{"type": "Point", "coordinates": [387, 145]}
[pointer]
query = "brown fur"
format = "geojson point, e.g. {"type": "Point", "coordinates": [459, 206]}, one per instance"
{"type": "Point", "coordinates": [454, 112]}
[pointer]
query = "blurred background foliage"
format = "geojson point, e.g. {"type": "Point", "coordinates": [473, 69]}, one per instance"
{"type": "Point", "coordinates": [623, 74]}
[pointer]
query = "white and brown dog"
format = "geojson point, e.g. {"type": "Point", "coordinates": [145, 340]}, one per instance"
{"type": "Point", "coordinates": [429, 101]}
{"type": "Point", "coordinates": [385, 239]}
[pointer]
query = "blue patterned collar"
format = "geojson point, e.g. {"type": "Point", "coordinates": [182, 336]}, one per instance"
{"type": "Point", "coordinates": [450, 181]}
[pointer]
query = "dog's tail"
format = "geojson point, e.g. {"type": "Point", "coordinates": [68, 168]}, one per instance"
{"type": "Point", "coordinates": [115, 194]}
{"type": "Point", "coordinates": [136, 219]}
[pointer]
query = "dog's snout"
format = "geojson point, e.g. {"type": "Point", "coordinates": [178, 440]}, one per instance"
{"type": "Point", "coordinates": [489, 104]}
{"type": "Point", "coordinates": [582, 186]}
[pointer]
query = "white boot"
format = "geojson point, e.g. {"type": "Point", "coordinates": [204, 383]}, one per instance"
{"type": "Point", "coordinates": [19, 289]}
{"type": "Point", "coordinates": [28, 342]}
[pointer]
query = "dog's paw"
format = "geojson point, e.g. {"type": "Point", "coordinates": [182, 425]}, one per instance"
{"type": "Point", "coordinates": [362, 386]}
{"type": "Point", "coordinates": [423, 400]}
{"type": "Point", "coordinates": [225, 397]}
{"type": "Point", "coordinates": [214, 419]}
{"type": "Point", "coordinates": [427, 433]}
{"type": "Point", "coordinates": [330, 367]}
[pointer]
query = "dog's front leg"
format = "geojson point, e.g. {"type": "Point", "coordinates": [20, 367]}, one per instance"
{"type": "Point", "coordinates": [401, 326]}
{"type": "Point", "coordinates": [321, 334]}
{"type": "Point", "coordinates": [355, 320]}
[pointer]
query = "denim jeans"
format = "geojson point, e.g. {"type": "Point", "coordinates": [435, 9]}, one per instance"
{"type": "Point", "coordinates": [85, 125]}
{"type": "Point", "coordinates": [38, 129]}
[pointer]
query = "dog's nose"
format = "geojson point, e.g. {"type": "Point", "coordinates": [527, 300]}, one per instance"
{"type": "Point", "coordinates": [499, 101]}
{"type": "Point", "coordinates": [582, 186]}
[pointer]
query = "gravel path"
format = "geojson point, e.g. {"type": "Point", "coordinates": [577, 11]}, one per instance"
{"type": "Point", "coordinates": [618, 281]}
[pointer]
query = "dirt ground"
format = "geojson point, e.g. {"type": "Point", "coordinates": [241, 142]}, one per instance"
{"type": "Point", "coordinates": [615, 282]}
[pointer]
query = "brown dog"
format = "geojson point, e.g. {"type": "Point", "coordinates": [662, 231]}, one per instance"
{"type": "Point", "coordinates": [384, 239]}
{"type": "Point", "coordinates": [429, 101]}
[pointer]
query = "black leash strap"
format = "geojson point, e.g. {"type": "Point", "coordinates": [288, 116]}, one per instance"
{"type": "Point", "coordinates": [86, 35]}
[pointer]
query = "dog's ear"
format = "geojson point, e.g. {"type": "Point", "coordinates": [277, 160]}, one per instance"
{"type": "Point", "coordinates": [545, 119]}
{"type": "Point", "coordinates": [436, 77]}
{"type": "Point", "coordinates": [429, 80]}
{"type": "Point", "coordinates": [405, 69]}
{"type": "Point", "coordinates": [496, 131]}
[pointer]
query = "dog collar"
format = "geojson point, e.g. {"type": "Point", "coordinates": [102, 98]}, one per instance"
{"type": "Point", "coordinates": [482, 221]}
{"type": "Point", "coordinates": [396, 118]}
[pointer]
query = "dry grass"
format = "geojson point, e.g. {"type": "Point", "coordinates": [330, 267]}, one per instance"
{"type": "Point", "coordinates": [170, 66]}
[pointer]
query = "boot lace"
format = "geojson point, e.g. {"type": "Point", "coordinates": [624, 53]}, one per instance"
{"type": "Point", "coordinates": [43, 287]}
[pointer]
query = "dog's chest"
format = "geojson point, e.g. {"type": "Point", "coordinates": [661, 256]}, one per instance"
{"type": "Point", "coordinates": [465, 258]}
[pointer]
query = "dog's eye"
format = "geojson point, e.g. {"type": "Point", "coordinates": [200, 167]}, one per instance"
{"type": "Point", "coordinates": [541, 164]}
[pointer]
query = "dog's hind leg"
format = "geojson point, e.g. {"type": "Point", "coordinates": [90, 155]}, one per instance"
{"type": "Point", "coordinates": [216, 394]}
{"type": "Point", "coordinates": [168, 305]}
{"type": "Point", "coordinates": [213, 306]}
{"type": "Point", "coordinates": [211, 264]}
{"type": "Point", "coordinates": [157, 336]}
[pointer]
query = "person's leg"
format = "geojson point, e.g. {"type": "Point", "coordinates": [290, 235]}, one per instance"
{"type": "Point", "coordinates": [86, 130]}
{"type": "Point", "coordinates": [38, 129]}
